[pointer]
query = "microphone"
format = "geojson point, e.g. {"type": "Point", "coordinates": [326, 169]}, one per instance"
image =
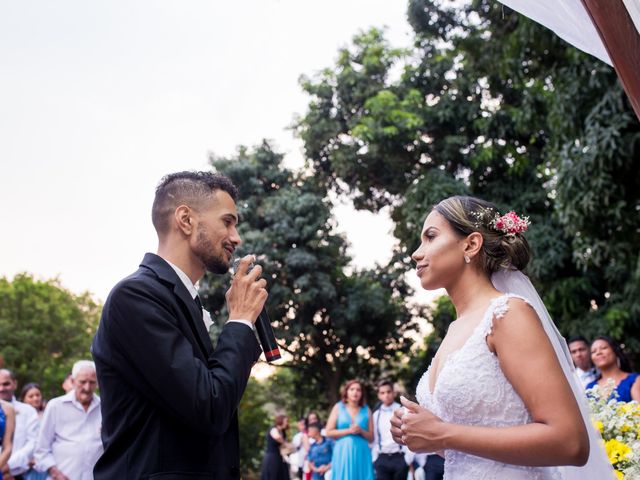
{"type": "Point", "coordinates": [263, 327]}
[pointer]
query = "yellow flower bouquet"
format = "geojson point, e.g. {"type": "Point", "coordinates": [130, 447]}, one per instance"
{"type": "Point", "coordinates": [619, 424]}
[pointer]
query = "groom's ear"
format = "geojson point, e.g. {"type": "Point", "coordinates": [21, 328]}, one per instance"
{"type": "Point", "coordinates": [473, 244]}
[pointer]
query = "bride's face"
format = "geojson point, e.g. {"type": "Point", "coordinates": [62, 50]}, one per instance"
{"type": "Point", "coordinates": [440, 257]}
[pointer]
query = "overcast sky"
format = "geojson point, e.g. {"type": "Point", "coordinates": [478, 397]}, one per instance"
{"type": "Point", "coordinates": [98, 100]}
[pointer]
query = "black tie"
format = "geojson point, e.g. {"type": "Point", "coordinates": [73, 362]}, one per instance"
{"type": "Point", "coordinates": [199, 304]}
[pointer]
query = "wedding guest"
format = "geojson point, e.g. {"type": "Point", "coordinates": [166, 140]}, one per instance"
{"type": "Point", "coordinates": [320, 452]}
{"type": "Point", "coordinates": [69, 442]}
{"type": "Point", "coordinates": [7, 429]}
{"type": "Point", "coordinates": [614, 367]}
{"type": "Point", "coordinates": [581, 356]}
{"type": "Point", "coordinates": [31, 394]}
{"type": "Point", "coordinates": [298, 458]}
{"type": "Point", "coordinates": [388, 456]}
{"type": "Point", "coordinates": [274, 466]}
{"type": "Point", "coordinates": [26, 426]}
{"type": "Point", "coordinates": [351, 425]}
{"type": "Point", "coordinates": [67, 383]}
{"type": "Point", "coordinates": [312, 417]}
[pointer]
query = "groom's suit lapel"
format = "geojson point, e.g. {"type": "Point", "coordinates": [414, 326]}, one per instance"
{"type": "Point", "coordinates": [196, 324]}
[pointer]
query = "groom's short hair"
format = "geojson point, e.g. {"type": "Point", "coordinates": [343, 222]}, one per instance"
{"type": "Point", "coordinates": [186, 188]}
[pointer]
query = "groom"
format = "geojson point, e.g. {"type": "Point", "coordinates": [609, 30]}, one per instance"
{"type": "Point", "coordinates": [169, 401]}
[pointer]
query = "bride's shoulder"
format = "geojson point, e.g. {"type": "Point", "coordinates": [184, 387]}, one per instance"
{"type": "Point", "coordinates": [518, 303]}
{"type": "Point", "coordinates": [509, 303]}
{"type": "Point", "coordinates": [515, 312]}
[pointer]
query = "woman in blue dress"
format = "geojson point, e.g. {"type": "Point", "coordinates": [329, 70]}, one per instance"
{"type": "Point", "coordinates": [351, 426]}
{"type": "Point", "coordinates": [614, 366]}
{"type": "Point", "coordinates": [7, 426]}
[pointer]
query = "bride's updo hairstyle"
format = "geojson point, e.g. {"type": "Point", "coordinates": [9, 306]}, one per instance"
{"type": "Point", "coordinates": [499, 249]}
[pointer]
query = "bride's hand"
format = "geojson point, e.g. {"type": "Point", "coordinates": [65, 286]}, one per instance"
{"type": "Point", "coordinates": [396, 425]}
{"type": "Point", "coordinates": [420, 430]}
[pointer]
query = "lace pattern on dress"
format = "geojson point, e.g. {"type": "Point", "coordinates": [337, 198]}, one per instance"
{"type": "Point", "coordinates": [471, 389]}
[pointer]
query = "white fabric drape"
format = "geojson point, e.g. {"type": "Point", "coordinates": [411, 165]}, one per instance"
{"type": "Point", "coordinates": [633, 7]}
{"type": "Point", "coordinates": [569, 20]}
{"type": "Point", "coordinates": [598, 466]}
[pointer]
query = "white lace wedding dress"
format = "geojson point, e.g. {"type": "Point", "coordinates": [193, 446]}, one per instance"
{"type": "Point", "coordinates": [471, 389]}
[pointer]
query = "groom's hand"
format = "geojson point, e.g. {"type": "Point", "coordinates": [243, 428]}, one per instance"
{"type": "Point", "coordinates": [417, 428]}
{"type": "Point", "coordinates": [246, 297]}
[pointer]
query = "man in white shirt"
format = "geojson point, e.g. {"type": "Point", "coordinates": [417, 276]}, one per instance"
{"type": "Point", "coordinates": [581, 356]}
{"type": "Point", "coordinates": [69, 442]}
{"type": "Point", "coordinates": [388, 456]}
{"type": "Point", "coordinates": [26, 432]}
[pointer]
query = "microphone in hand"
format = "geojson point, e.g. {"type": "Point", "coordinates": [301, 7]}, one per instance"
{"type": "Point", "coordinates": [263, 326]}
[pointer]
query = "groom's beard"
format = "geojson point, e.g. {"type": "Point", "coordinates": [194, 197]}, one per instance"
{"type": "Point", "coordinates": [205, 252]}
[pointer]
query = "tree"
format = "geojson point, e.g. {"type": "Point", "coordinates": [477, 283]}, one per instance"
{"type": "Point", "coordinates": [253, 422]}
{"type": "Point", "coordinates": [44, 330]}
{"type": "Point", "coordinates": [334, 322]}
{"type": "Point", "coordinates": [491, 104]}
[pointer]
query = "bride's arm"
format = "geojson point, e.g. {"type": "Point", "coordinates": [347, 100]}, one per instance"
{"type": "Point", "coordinates": [557, 434]}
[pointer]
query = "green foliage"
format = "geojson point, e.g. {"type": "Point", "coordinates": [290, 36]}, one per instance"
{"type": "Point", "coordinates": [442, 314]}
{"type": "Point", "coordinates": [44, 330]}
{"type": "Point", "coordinates": [253, 422]}
{"type": "Point", "coordinates": [290, 390]}
{"type": "Point", "coordinates": [334, 323]}
{"type": "Point", "coordinates": [491, 104]}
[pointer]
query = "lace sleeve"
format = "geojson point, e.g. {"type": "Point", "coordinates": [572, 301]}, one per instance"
{"type": "Point", "coordinates": [498, 309]}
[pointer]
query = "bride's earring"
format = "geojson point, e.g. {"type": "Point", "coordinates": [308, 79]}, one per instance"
{"type": "Point", "coordinates": [467, 259]}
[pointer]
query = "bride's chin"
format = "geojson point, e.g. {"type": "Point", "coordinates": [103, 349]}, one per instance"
{"type": "Point", "coordinates": [427, 285]}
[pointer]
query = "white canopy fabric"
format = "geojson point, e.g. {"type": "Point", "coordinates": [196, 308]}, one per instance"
{"type": "Point", "coordinates": [606, 29]}
{"type": "Point", "coordinates": [569, 20]}
{"type": "Point", "coordinates": [633, 7]}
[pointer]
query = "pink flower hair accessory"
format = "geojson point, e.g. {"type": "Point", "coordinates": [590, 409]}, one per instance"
{"type": "Point", "coordinates": [510, 224]}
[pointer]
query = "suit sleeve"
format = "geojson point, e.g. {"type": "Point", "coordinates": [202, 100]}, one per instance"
{"type": "Point", "coordinates": [156, 357]}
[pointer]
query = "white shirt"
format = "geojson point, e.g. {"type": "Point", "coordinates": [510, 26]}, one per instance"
{"type": "Point", "coordinates": [586, 376]}
{"type": "Point", "coordinates": [206, 317]}
{"type": "Point", "coordinates": [69, 437]}
{"type": "Point", "coordinates": [382, 440]}
{"type": "Point", "coordinates": [24, 437]}
{"type": "Point", "coordinates": [297, 458]}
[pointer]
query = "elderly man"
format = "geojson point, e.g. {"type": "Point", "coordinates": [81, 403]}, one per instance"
{"type": "Point", "coordinates": [26, 432]}
{"type": "Point", "coordinates": [69, 442]}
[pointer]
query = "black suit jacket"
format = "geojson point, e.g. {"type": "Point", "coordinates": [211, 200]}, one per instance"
{"type": "Point", "coordinates": [169, 400]}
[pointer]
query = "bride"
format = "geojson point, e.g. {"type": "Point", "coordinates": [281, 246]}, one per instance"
{"type": "Point", "coordinates": [499, 400]}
